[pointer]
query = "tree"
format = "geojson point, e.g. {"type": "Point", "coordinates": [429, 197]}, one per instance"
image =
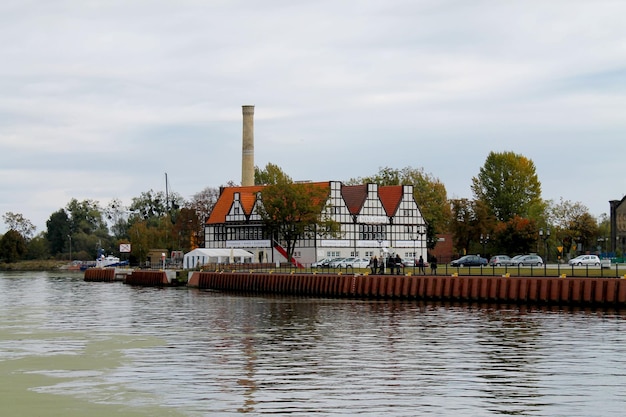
{"type": "Point", "coordinates": [17, 222]}
{"type": "Point", "coordinates": [271, 174]}
{"type": "Point", "coordinates": [572, 223]}
{"type": "Point", "coordinates": [117, 214]}
{"type": "Point", "coordinates": [202, 204]}
{"type": "Point", "coordinates": [517, 235]}
{"type": "Point", "coordinates": [186, 230]}
{"type": "Point", "coordinates": [58, 226]}
{"type": "Point", "coordinates": [430, 195]}
{"type": "Point", "coordinates": [38, 247]}
{"type": "Point", "coordinates": [508, 184]}
{"type": "Point", "coordinates": [293, 211]}
{"type": "Point", "coordinates": [471, 219]}
{"type": "Point", "coordinates": [12, 246]}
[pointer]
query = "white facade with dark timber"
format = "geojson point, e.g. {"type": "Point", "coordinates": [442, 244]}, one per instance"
{"type": "Point", "coordinates": [372, 219]}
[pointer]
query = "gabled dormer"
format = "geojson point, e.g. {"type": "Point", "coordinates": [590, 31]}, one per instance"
{"type": "Point", "coordinates": [372, 210]}
{"type": "Point", "coordinates": [236, 212]}
{"type": "Point", "coordinates": [254, 214]}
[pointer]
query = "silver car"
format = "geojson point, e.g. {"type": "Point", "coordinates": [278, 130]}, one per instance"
{"type": "Point", "coordinates": [528, 260]}
{"type": "Point", "coordinates": [585, 260]}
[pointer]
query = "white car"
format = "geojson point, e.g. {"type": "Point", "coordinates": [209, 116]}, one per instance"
{"type": "Point", "coordinates": [585, 260]}
{"type": "Point", "coordinates": [322, 263]}
{"type": "Point", "coordinates": [334, 263]}
{"type": "Point", "coordinates": [354, 263]}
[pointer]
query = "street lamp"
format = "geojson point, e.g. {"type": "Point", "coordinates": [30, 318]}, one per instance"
{"type": "Point", "coordinates": [421, 230]}
{"type": "Point", "coordinates": [483, 241]}
{"type": "Point", "coordinates": [545, 237]}
{"type": "Point", "coordinates": [414, 253]}
{"type": "Point", "coordinates": [382, 255]}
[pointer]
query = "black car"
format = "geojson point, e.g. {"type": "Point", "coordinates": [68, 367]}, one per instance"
{"type": "Point", "coordinates": [469, 260]}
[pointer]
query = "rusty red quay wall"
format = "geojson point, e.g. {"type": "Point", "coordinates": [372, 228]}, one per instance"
{"type": "Point", "coordinates": [540, 290]}
{"type": "Point", "coordinates": [99, 275]}
{"type": "Point", "coordinates": [147, 278]}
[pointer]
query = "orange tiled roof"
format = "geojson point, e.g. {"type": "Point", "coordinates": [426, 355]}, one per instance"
{"type": "Point", "coordinates": [226, 199]}
{"type": "Point", "coordinates": [247, 196]}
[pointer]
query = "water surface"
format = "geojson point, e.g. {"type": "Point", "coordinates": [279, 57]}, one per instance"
{"type": "Point", "coordinates": [71, 348]}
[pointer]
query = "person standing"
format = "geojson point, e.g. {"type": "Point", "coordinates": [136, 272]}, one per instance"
{"type": "Point", "coordinates": [433, 265]}
{"type": "Point", "coordinates": [420, 264]}
{"type": "Point", "coordinates": [374, 264]}
{"type": "Point", "coordinates": [398, 264]}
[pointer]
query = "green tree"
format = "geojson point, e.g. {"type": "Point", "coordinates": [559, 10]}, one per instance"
{"type": "Point", "coordinates": [294, 211]}
{"type": "Point", "coordinates": [88, 229]}
{"type": "Point", "coordinates": [38, 247]}
{"type": "Point", "coordinates": [271, 174]}
{"type": "Point", "coordinates": [12, 246]}
{"type": "Point", "coordinates": [17, 222]}
{"type": "Point", "coordinates": [508, 184]}
{"type": "Point", "coordinates": [117, 214]}
{"type": "Point", "coordinates": [59, 227]}
{"type": "Point", "coordinates": [471, 220]}
{"type": "Point", "coordinates": [572, 223]}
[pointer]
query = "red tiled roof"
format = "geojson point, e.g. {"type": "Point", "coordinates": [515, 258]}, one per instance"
{"type": "Point", "coordinates": [354, 196]}
{"type": "Point", "coordinates": [390, 196]}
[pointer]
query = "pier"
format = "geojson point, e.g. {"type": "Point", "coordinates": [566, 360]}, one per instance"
{"type": "Point", "coordinates": [492, 289]}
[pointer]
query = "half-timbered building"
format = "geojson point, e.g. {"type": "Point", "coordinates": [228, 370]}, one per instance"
{"type": "Point", "coordinates": [373, 220]}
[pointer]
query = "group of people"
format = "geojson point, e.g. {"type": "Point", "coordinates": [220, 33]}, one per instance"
{"type": "Point", "coordinates": [395, 263]}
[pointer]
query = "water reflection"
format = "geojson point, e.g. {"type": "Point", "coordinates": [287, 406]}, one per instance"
{"type": "Point", "coordinates": [202, 353]}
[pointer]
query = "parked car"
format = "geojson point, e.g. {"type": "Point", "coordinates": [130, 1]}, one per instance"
{"type": "Point", "coordinates": [500, 260]}
{"type": "Point", "coordinates": [412, 262]}
{"type": "Point", "coordinates": [334, 263]}
{"type": "Point", "coordinates": [322, 263]}
{"type": "Point", "coordinates": [528, 260]}
{"type": "Point", "coordinates": [585, 260]}
{"type": "Point", "coordinates": [409, 262]}
{"type": "Point", "coordinates": [469, 260]}
{"type": "Point", "coordinates": [354, 263]}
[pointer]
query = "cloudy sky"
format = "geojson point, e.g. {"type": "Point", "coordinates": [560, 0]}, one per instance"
{"type": "Point", "coordinates": [100, 98]}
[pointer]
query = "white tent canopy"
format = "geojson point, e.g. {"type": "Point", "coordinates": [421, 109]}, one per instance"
{"type": "Point", "coordinates": [200, 256]}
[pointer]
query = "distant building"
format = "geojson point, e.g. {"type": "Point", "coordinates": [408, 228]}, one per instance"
{"type": "Point", "coordinates": [373, 219]}
{"type": "Point", "coordinates": [618, 225]}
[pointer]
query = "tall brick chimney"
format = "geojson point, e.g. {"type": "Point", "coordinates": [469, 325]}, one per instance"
{"type": "Point", "coordinates": [247, 155]}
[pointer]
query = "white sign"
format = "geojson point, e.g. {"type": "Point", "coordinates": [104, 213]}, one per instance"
{"type": "Point", "coordinates": [248, 243]}
{"type": "Point", "coordinates": [125, 247]}
{"type": "Point", "coordinates": [373, 219]}
{"type": "Point", "coordinates": [335, 243]}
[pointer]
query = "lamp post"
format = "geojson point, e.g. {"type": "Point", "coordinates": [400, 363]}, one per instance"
{"type": "Point", "coordinates": [421, 230]}
{"type": "Point", "coordinates": [414, 253]}
{"type": "Point", "coordinates": [382, 255]}
{"type": "Point", "coordinates": [483, 241]}
{"type": "Point", "coordinates": [544, 237]}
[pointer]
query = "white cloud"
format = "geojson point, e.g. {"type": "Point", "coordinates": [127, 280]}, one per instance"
{"type": "Point", "coordinates": [102, 98]}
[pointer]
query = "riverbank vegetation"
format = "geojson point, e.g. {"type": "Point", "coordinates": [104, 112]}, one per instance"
{"type": "Point", "coordinates": [508, 215]}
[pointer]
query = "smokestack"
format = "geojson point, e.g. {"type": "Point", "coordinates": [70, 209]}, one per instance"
{"type": "Point", "coordinates": [247, 155]}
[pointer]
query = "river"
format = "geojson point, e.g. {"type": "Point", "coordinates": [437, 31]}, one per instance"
{"type": "Point", "coordinates": [70, 348]}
